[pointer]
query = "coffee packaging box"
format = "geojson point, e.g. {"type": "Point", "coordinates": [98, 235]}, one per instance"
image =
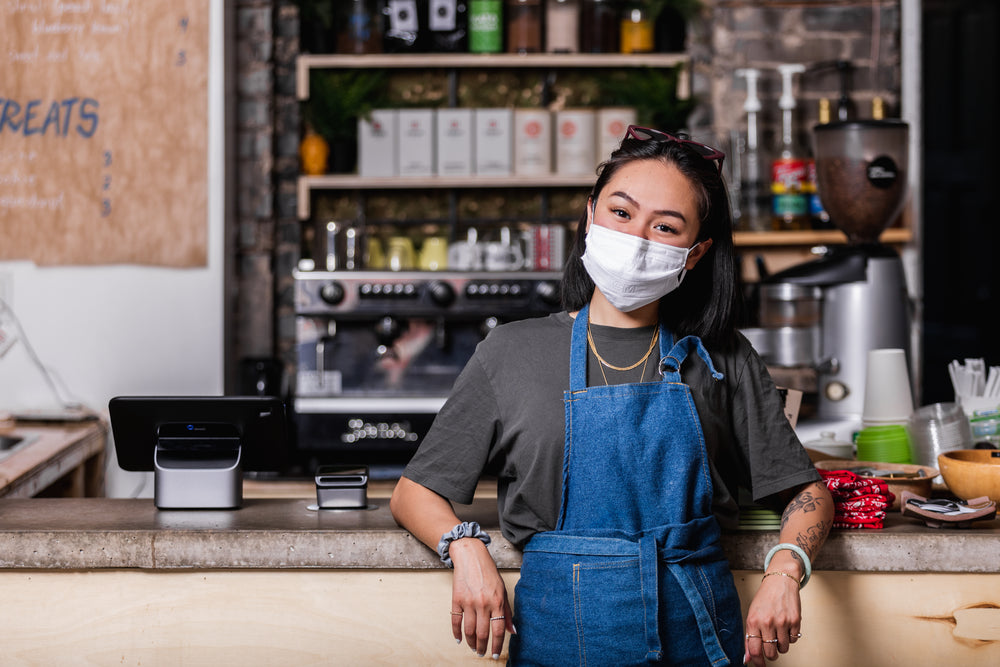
{"type": "Point", "coordinates": [454, 142]}
{"type": "Point", "coordinates": [612, 122]}
{"type": "Point", "coordinates": [532, 142]}
{"type": "Point", "coordinates": [416, 142]}
{"type": "Point", "coordinates": [576, 142]}
{"type": "Point", "coordinates": [377, 143]}
{"type": "Point", "coordinates": [494, 145]}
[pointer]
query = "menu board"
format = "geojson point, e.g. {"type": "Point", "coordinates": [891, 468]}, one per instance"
{"type": "Point", "coordinates": [104, 131]}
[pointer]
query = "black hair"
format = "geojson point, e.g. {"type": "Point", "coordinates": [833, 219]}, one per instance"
{"type": "Point", "coordinates": [708, 302]}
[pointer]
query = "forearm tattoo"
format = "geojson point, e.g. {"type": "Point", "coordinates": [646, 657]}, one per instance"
{"type": "Point", "coordinates": [812, 538]}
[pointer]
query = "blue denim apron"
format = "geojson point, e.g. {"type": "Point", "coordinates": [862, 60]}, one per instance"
{"type": "Point", "coordinates": [633, 573]}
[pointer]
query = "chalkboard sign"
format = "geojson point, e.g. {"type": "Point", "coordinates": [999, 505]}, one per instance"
{"type": "Point", "coordinates": [103, 131]}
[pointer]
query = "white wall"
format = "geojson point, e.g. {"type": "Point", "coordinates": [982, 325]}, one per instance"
{"type": "Point", "coordinates": [126, 330]}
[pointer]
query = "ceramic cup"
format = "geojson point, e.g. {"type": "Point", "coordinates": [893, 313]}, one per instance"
{"type": "Point", "coordinates": [466, 255]}
{"type": "Point", "coordinates": [434, 254]}
{"type": "Point", "coordinates": [374, 255]}
{"type": "Point", "coordinates": [400, 255]}
{"type": "Point", "coordinates": [500, 256]}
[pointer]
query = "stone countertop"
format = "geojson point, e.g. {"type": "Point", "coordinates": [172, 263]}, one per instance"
{"type": "Point", "coordinates": [283, 533]}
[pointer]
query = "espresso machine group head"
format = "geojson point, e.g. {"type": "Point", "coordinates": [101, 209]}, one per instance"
{"type": "Point", "coordinates": [861, 169]}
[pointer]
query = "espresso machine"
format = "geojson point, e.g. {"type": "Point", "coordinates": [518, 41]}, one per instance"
{"type": "Point", "coordinates": [379, 351]}
{"type": "Point", "coordinates": [861, 177]}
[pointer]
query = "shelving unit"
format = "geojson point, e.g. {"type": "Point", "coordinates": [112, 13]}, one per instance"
{"type": "Point", "coordinates": [786, 247]}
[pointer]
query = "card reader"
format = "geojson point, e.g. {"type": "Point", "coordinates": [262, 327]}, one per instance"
{"type": "Point", "coordinates": [342, 487]}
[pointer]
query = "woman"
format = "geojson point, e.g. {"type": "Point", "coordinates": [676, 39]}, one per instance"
{"type": "Point", "coordinates": [619, 432]}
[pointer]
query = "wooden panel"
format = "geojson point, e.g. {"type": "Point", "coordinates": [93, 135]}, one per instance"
{"type": "Point", "coordinates": [103, 132]}
{"type": "Point", "coordinates": [129, 617]}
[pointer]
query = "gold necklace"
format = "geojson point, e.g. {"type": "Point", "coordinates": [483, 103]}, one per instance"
{"type": "Point", "coordinates": [643, 360]}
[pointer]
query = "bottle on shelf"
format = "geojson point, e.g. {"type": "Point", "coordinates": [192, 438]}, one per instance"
{"type": "Point", "coordinates": [524, 26]}
{"type": "Point", "coordinates": [562, 26]}
{"type": "Point", "coordinates": [818, 217]}
{"type": "Point", "coordinates": [636, 33]}
{"type": "Point", "coordinates": [599, 27]}
{"type": "Point", "coordinates": [448, 25]}
{"type": "Point", "coordinates": [753, 201]}
{"type": "Point", "coordinates": [404, 27]}
{"type": "Point", "coordinates": [485, 26]}
{"type": "Point", "coordinates": [361, 31]}
{"type": "Point", "coordinates": [789, 203]}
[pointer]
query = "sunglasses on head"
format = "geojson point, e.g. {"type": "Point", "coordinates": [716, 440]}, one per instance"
{"type": "Point", "coordinates": [646, 134]}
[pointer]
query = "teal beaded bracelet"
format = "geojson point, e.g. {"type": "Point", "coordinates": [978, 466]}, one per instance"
{"type": "Point", "coordinates": [801, 554]}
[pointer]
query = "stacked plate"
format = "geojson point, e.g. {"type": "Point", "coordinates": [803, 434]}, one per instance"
{"type": "Point", "coordinates": [755, 517]}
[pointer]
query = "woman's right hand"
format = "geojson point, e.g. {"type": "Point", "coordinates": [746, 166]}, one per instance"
{"type": "Point", "coordinates": [479, 593]}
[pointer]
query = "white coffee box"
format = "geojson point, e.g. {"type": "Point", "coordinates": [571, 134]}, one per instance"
{"type": "Point", "coordinates": [494, 144]}
{"type": "Point", "coordinates": [416, 142]}
{"type": "Point", "coordinates": [612, 122]}
{"type": "Point", "coordinates": [454, 142]}
{"type": "Point", "coordinates": [377, 144]}
{"type": "Point", "coordinates": [576, 142]}
{"type": "Point", "coordinates": [532, 142]}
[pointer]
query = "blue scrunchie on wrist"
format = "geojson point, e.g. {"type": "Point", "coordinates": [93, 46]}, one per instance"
{"type": "Point", "coordinates": [464, 529]}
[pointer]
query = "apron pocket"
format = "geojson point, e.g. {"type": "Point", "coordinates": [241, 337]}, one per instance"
{"type": "Point", "coordinates": [610, 614]}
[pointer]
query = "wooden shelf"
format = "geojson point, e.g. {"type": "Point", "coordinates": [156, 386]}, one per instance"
{"type": "Point", "coordinates": [812, 237]}
{"type": "Point", "coordinates": [305, 63]}
{"type": "Point", "coordinates": [307, 184]}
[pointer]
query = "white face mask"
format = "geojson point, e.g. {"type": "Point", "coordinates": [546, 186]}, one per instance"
{"type": "Point", "coordinates": [630, 271]}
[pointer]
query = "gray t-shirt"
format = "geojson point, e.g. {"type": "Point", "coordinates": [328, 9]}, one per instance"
{"type": "Point", "coordinates": [505, 417]}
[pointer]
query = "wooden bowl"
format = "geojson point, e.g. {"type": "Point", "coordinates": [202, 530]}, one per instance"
{"type": "Point", "coordinates": [918, 485]}
{"type": "Point", "coordinates": [970, 473]}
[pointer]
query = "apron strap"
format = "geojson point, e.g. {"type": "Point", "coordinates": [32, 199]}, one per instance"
{"type": "Point", "coordinates": [709, 639]}
{"type": "Point", "coordinates": [670, 363]}
{"type": "Point", "coordinates": [649, 582]}
{"type": "Point", "coordinates": [578, 351]}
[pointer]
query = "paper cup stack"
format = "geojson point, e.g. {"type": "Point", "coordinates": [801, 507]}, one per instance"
{"type": "Point", "coordinates": [888, 397]}
{"type": "Point", "coordinates": [887, 409]}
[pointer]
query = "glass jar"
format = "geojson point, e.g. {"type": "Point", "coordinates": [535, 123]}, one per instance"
{"type": "Point", "coordinates": [524, 26]}
{"type": "Point", "coordinates": [636, 29]}
{"type": "Point", "coordinates": [562, 26]}
{"type": "Point", "coordinates": [599, 26]}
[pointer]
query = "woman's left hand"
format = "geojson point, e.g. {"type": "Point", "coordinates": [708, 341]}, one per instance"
{"type": "Point", "coordinates": [775, 615]}
{"type": "Point", "coordinates": [773, 621]}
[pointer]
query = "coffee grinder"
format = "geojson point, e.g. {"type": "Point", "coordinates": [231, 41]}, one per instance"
{"type": "Point", "coordinates": [861, 174]}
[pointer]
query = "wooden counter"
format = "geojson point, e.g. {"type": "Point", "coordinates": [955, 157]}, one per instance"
{"type": "Point", "coordinates": [116, 581]}
{"type": "Point", "coordinates": [61, 460]}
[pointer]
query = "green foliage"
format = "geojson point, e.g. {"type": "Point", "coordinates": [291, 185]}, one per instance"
{"type": "Point", "coordinates": [318, 11]}
{"type": "Point", "coordinates": [686, 8]}
{"type": "Point", "coordinates": [338, 98]}
{"type": "Point", "coordinates": [653, 93]}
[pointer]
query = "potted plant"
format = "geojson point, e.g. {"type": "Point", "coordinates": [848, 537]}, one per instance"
{"type": "Point", "coordinates": [337, 99]}
{"type": "Point", "coordinates": [652, 92]}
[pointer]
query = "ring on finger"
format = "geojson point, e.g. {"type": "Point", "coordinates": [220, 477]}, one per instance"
{"type": "Point", "coordinates": [457, 613]}
{"type": "Point", "coordinates": [497, 618]}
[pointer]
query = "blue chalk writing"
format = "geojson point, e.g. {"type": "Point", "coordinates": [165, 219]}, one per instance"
{"type": "Point", "coordinates": [61, 118]}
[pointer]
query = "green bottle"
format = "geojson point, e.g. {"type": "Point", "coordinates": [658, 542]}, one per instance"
{"type": "Point", "coordinates": [485, 26]}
